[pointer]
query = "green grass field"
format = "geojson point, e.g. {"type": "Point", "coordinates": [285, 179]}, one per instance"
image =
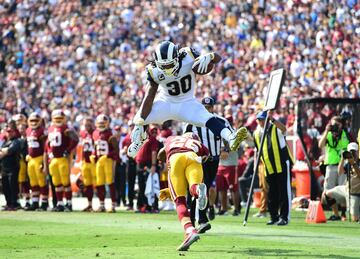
{"type": "Point", "coordinates": [130, 235]}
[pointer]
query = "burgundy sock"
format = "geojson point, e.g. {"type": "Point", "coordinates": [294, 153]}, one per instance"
{"type": "Point", "coordinates": [101, 192]}
{"type": "Point", "coordinates": [59, 193]}
{"type": "Point", "coordinates": [68, 192]}
{"type": "Point", "coordinates": [89, 192]}
{"type": "Point", "coordinates": [112, 192]}
{"type": "Point", "coordinates": [193, 191]}
{"type": "Point", "coordinates": [181, 208]}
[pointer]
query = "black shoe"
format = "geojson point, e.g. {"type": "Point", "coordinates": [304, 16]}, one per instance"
{"type": "Point", "coordinates": [68, 208]}
{"type": "Point", "coordinates": [282, 222]}
{"type": "Point", "coordinates": [27, 206]}
{"type": "Point", "coordinates": [222, 212]}
{"type": "Point", "coordinates": [58, 208]}
{"type": "Point", "coordinates": [334, 218]}
{"type": "Point", "coordinates": [203, 227]}
{"type": "Point", "coordinates": [211, 212]}
{"type": "Point", "coordinates": [43, 207]}
{"type": "Point", "coordinates": [32, 207]}
{"type": "Point", "coordinates": [272, 222]}
{"type": "Point", "coordinates": [236, 213]}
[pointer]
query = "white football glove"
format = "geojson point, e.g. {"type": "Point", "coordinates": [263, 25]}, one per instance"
{"type": "Point", "coordinates": [204, 61]}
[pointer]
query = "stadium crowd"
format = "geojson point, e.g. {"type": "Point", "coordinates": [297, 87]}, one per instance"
{"type": "Point", "coordinates": [89, 57]}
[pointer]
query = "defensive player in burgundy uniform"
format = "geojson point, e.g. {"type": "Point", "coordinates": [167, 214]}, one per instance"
{"type": "Point", "coordinates": [61, 143]}
{"type": "Point", "coordinates": [184, 156]}
{"type": "Point", "coordinates": [36, 137]}
{"type": "Point", "coordinates": [87, 168]}
{"type": "Point", "coordinates": [24, 185]}
{"type": "Point", "coordinates": [105, 154]}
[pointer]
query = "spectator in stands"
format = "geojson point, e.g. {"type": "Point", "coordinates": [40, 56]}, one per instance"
{"type": "Point", "coordinates": [335, 140]}
{"type": "Point", "coordinates": [146, 161]}
{"type": "Point", "coordinates": [9, 159]}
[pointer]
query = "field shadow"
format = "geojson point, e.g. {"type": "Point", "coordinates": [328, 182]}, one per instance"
{"type": "Point", "coordinates": [290, 253]}
{"type": "Point", "coordinates": [266, 252]}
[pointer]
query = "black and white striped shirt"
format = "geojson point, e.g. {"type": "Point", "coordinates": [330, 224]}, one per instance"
{"type": "Point", "coordinates": [207, 138]}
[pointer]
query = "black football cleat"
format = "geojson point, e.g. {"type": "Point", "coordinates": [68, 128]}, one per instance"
{"type": "Point", "coordinates": [58, 208]}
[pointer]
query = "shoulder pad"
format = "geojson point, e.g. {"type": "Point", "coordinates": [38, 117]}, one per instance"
{"type": "Point", "coordinates": [191, 52]}
{"type": "Point", "coordinates": [149, 73]}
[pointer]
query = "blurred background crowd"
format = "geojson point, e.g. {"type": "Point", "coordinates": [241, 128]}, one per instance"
{"type": "Point", "coordinates": [88, 57]}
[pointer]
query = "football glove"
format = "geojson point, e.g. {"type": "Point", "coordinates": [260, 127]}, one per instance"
{"type": "Point", "coordinates": [203, 62]}
{"type": "Point", "coordinates": [164, 194]}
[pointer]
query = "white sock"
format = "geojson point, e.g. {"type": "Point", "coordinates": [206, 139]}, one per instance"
{"type": "Point", "coordinates": [225, 134]}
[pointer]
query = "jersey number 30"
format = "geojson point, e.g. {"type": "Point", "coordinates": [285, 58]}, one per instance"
{"type": "Point", "coordinates": [175, 88]}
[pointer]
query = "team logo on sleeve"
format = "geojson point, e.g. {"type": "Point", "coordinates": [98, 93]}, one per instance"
{"type": "Point", "coordinates": [161, 77]}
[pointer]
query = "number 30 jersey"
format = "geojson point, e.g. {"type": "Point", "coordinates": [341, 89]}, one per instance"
{"type": "Point", "coordinates": [179, 144]}
{"type": "Point", "coordinates": [102, 146]}
{"type": "Point", "coordinates": [178, 88]}
{"type": "Point", "coordinates": [34, 141]}
{"type": "Point", "coordinates": [58, 142]}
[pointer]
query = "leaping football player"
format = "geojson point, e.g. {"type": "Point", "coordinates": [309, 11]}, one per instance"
{"type": "Point", "coordinates": [171, 79]}
{"type": "Point", "coordinates": [184, 162]}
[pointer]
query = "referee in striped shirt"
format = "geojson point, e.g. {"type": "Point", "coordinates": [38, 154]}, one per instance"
{"type": "Point", "coordinates": [210, 167]}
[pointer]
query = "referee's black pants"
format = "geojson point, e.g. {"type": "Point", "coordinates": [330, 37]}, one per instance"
{"type": "Point", "coordinates": [279, 196]}
{"type": "Point", "coordinates": [210, 168]}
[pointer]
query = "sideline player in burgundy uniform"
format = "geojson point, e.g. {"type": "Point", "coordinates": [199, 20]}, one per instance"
{"type": "Point", "coordinates": [87, 168]}
{"type": "Point", "coordinates": [36, 137]}
{"type": "Point", "coordinates": [105, 154]}
{"type": "Point", "coordinates": [61, 142]}
{"type": "Point", "coordinates": [184, 158]}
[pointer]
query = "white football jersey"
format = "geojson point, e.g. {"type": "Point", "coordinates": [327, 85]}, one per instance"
{"type": "Point", "coordinates": [177, 88]}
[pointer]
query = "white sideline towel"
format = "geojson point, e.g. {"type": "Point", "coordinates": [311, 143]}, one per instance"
{"type": "Point", "coordinates": [152, 188]}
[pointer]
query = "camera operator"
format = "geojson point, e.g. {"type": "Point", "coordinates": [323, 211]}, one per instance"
{"type": "Point", "coordinates": [335, 140]}
{"type": "Point", "coordinates": [349, 163]}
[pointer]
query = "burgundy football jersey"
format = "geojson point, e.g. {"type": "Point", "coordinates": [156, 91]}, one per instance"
{"type": "Point", "coordinates": [179, 144]}
{"type": "Point", "coordinates": [33, 138]}
{"type": "Point", "coordinates": [87, 145]}
{"type": "Point", "coordinates": [101, 140]}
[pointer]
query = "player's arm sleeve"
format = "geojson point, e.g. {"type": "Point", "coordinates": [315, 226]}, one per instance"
{"type": "Point", "coordinates": [193, 53]}
{"type": "Point", "coordinates": [204, 151]}
{"type": "Point", "coordinates": [115, 149]}
{"type": "Point", "coordinates": [161, 156]}
{"type": "Point", "coordinates": [148, 100]}
{"type": "Point", "coordinates": [74, 140]}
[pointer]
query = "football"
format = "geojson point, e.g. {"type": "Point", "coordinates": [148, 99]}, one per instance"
{"type": "Point", "coordinates": [209, 68]}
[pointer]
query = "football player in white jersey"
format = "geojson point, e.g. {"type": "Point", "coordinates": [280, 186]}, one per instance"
{"type": "Point", "coordinates": [171, 79]}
